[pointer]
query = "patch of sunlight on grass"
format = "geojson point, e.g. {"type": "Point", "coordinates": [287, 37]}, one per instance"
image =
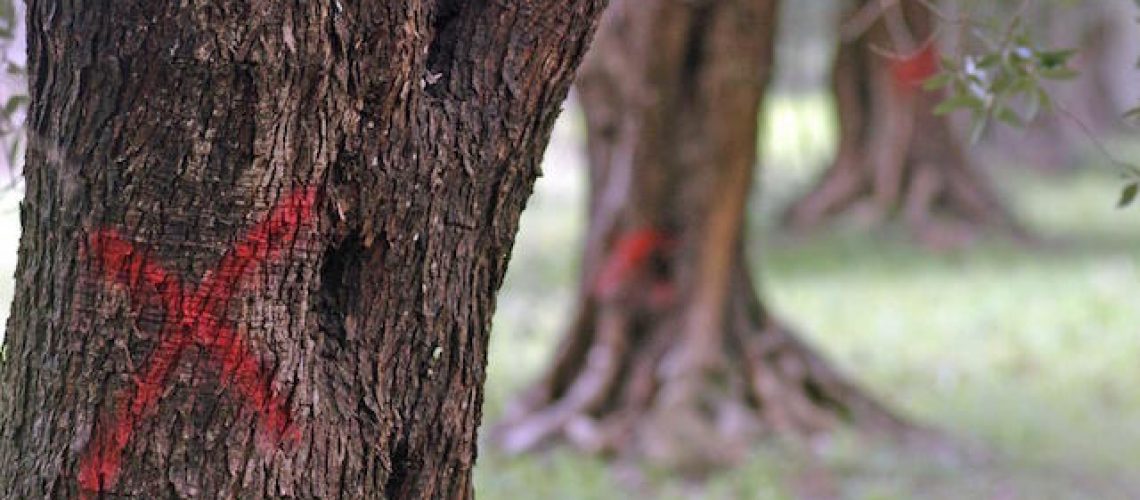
{"type": "Point", "coordinates": [797, 134]}
{"type": "Point", "coordinates": [1029, 352]}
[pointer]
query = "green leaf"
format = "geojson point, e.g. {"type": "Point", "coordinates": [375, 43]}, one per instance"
{"type": "Point", "coordinates": [1053, 59]}
{"type": "Point", "coordinates": [1010, 117]}
{"type": "Point", "coordinates": [1024, 84]}
{"type": "Point", "coordinates": [14, 153]}
{"type": "Point", "coordinates": [989, 60]}
{"type": "Point", "coordinates": [1044, 100]}
{"type": "Point", "coordinates": [938, 81]}
{"type": "Point", "coordinates": [1128, 195]}
{"type": "Point", "coordinates": [1060, 73]}
{"type": "Point", "coordinates": [1134, 113]}
{"type": "Point", "coordinates": [14, 103]}
{"type": "Point", "coordinates": [956, 102]}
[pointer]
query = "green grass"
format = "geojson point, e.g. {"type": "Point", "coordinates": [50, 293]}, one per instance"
{"type": "Point", "coordinates": [1032, 353]}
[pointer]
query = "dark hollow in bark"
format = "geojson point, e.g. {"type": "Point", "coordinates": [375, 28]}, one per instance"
{"type": "Point", "coordinates": [261, 241]}
{"type": "Point", "coordinates": [895, 157]}
{"type": "Point", "coordinates": [670, 355]}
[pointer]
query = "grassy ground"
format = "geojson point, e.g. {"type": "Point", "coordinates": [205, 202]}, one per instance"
{"type": "Point", "coordinates": [1031, 353]}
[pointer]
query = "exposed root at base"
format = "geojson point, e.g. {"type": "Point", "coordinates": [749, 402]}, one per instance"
{"type": "Point", "coordinates": [944, 208]}
{"type": "Point", "coordinates": [621, 391]}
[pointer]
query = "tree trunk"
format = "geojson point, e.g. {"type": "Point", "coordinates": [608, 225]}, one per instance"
{"type": "Point", "coordinates": [895, 157]}
{"type": "Point", "coordinates": [262, 241]}
{"type": "Point", "coordinates": [670, 355]}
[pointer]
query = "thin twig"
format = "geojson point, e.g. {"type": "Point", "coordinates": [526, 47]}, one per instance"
{"type": "Point", "coordinates": [1127, 168]}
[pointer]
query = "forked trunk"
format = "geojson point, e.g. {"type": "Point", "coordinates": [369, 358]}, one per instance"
{"type": "Point", "coordinates": [262, 241]}
{"type": "Point", "coordinates": [895, 157]}
{"type": "Point", "coordinates": [670, 355]}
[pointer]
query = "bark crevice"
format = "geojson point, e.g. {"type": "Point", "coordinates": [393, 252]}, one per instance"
{"type": "Point", "coordinates": [339, 289]}
{"type": "Point", "coordinates": [446, 30]}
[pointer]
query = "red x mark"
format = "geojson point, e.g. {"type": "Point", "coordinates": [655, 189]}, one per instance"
{"type": "Point", "coordinates": [193, 317]}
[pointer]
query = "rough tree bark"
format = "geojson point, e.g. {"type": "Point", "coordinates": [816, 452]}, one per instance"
{"type": "Point", "coordinates": [262, 241]}
{"type": "Point", "coordinates": [895, 157]}
{"type": "Point", "coordinates": [670, 355]}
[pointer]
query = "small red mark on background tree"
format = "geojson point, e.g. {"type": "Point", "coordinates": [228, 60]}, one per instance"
{"type": "Point", "coordinates": [195, 316]}
{"type": "Point", "coordinates": [630, 254]}
{"type": "Point", "coordinates": [910, 72]}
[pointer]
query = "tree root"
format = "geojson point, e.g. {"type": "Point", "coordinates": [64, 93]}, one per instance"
{"type": "Point", "coordinates": [945, 206]}
{"type": "Point", "coordinates": [628, 395]}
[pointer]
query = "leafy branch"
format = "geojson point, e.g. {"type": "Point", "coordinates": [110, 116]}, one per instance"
{"type": "Point", "coordinates": [1007, 81]}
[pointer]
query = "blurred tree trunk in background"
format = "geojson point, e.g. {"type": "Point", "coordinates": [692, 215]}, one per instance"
{"type": "Point", "coordinates": [671, 355]}
{"type": "Point", "coordinates": [262, 241]}
{"type": "Point", "coordinates": [1106, 35]}
{"type": "Point", "coordinates": [895, 157]}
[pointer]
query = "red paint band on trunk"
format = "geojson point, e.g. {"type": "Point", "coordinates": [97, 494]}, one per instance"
{"type": "Point", "coordinates": [193, 317]}
{"type": "Point", "coordinates": [910, 72]}
{"type": "Point", "coordinates": [628, 255]}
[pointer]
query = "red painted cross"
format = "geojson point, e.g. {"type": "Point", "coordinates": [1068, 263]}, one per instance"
{"type": "Point", "coordinates": [193, 317]}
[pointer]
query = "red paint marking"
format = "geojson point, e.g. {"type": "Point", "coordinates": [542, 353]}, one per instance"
{"type": "Point", "coordinates": [910, 72]}
{"type": "Point", "coordinates": [193, 317]}
{"type": "Point", "coordinates": [628, 255]}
